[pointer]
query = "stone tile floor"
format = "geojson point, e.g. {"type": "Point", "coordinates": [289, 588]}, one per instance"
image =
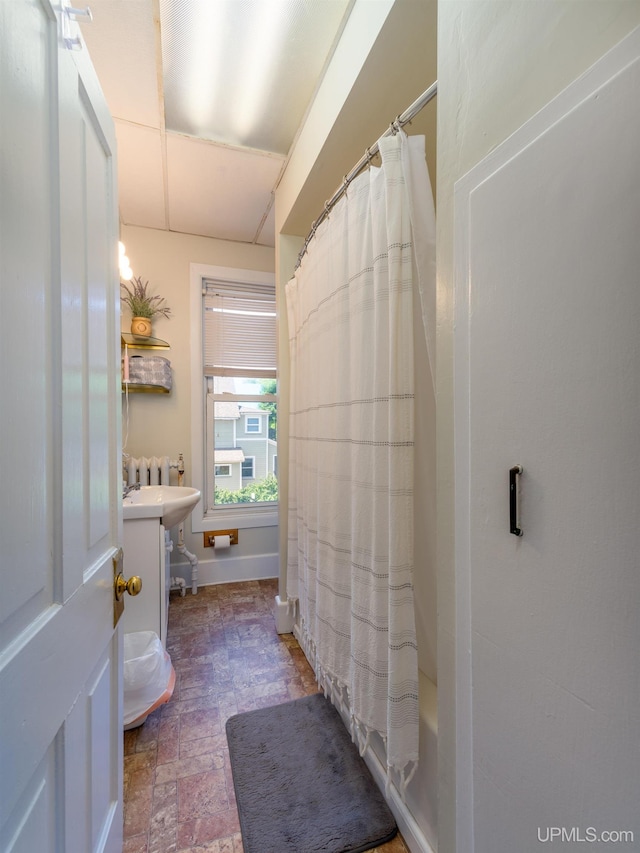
{"type": "Point", "coordinates": [228, 658]}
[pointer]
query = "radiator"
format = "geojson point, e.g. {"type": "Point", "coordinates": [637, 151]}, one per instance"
{"type": "Point", "coordinates": [150, 472]}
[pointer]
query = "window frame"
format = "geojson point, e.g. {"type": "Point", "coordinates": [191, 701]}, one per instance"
{"type": "Point", "coordinates": [235, 515]}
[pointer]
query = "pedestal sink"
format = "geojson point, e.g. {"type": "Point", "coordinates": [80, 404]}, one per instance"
{"type": "Point", "coordinates": [172, 504]}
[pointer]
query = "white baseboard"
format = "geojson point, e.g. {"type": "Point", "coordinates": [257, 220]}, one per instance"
{"type": "Point", "coordinates": [229, 569]}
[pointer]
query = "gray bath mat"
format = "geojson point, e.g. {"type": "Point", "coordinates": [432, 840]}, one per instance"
{"type": "Point", "coordinates": [301, 785]}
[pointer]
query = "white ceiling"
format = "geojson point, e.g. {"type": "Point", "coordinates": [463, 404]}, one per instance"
{"type": "Point", "coordinates": [203, 122]}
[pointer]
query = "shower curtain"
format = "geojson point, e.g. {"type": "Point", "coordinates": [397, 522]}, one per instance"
{"type": "Point", "coordinates": [350, 552]}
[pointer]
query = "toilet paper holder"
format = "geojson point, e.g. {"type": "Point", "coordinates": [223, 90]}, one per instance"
{"type": "Point", "coordinates": [209, 537]}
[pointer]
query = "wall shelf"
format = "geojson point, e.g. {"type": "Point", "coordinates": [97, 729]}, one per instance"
{"type": "Point", "coordinates": [142, 343]}
{"type": "Point", "coordinates": [138, 388]}
{"type": "Point", "coordinates": [137, 342]}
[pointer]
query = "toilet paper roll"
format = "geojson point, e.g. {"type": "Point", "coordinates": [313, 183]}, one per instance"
{"type": "Point", "coordinates": [222, 542]}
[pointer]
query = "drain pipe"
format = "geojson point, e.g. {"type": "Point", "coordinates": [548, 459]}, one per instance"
{"type": "Point", "coordinates": [181, 584]}
{"type": "Point", "coordinates": [174, 583]}
{"type": "Point", "coordinates": [181, 546]}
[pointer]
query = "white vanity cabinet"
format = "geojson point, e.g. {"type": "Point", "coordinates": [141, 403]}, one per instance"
{"type": "Point", "coordinates": [145, 556]}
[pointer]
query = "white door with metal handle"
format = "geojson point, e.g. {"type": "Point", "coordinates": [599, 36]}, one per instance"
{"type": "Point", "coordinates": [60, 656]}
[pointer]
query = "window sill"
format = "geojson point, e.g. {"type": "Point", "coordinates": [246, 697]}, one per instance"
{"type": "Point", "coordinates": [229, 518]}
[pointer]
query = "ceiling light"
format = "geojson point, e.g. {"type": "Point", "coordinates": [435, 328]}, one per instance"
{"type": "Point", "coordinates": [243, 72]}
{"type": "Point", "coordinates": [263, 48]}
{"type": "Point", "coordinates": [126, 273]}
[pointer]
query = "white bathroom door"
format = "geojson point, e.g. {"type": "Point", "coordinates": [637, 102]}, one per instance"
{"type": "Point", "coordinates": [60, 657]}
{"type": "Point", "coordinates": [548, 377]}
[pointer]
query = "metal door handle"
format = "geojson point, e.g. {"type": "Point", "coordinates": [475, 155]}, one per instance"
{"type": "Point", "coordinates": [120, 585]}
{"type": "Point", "coordinates": [513, 500]}
{"type": "Point", "coordinates": [132, 586]}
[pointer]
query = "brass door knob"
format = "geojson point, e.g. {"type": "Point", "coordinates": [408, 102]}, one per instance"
{"type": "Point", "coordinates": [132, 586]}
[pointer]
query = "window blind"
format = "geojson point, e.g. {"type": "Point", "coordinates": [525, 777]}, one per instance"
{"type": "Point", "coordinates": [239, 329]}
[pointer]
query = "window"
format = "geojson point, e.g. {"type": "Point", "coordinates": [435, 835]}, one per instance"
{"type": "Point", "coordinates": [234, 424]}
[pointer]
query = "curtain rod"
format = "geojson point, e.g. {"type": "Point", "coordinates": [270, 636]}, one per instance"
{"type": "Point", "coordinates": [399, 122]}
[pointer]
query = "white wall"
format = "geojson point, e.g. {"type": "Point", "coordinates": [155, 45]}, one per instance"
{"type": "Point", "coordinates": [161, 424]}
{"type": "Point", "coordinates": [499, 62]}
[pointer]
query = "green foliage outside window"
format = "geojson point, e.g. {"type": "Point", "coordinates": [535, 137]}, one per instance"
{"type": "Point", "coordinates": [265, 490]}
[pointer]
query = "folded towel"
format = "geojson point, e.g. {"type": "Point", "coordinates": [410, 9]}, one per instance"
{"type": "Point", "coordinates": [150, 370]}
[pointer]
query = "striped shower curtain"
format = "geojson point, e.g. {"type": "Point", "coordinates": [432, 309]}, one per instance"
{"type": "Point", "coordinates": [350, 553]}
